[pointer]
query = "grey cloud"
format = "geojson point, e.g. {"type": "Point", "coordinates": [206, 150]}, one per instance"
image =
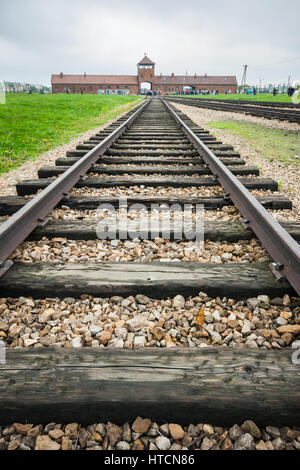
{"type": "Point", "coordinates": [38, 38]}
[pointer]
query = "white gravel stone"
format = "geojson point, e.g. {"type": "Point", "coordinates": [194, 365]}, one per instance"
{"type": "Point", "coordinates": [76, 342]}
{"type": "Point", "coordinates": [117, 343]}
{"type": "Point", "coordinates": [163, 443]}
{"type": "Point", "coordinates": [122, 445]}
{"type": "Point", "coordinates": [139, 342]}
{"type": "Point", "coordinates": [95, 329]}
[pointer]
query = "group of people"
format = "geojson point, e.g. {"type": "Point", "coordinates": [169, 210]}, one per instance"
{"type": "Point", "coordinates": [290, 91]}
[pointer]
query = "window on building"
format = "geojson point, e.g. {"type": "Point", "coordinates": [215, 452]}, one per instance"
{"type": "Point", "coordinates": [150, 75]}
{"type": "Point", "coordinates": [142, 75]}
{"type": "Point", "coordinates": [91, 88]}
{"type": "Point", "coordinates": [56, 88]}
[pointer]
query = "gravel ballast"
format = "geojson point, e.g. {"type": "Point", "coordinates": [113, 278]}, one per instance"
{"type": "Point", "coordinates": [144, 434]}
{"type": "Point", "coordinates": [159, 250]}
{"type": "Point", "coordinates": [138, 322]}
{"type": "Point", "coordinates": [149, 191]}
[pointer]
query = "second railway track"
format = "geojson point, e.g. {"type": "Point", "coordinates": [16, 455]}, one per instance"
{"type": "Point", "coordinates": [154, 155]}
{"type": "Point", "coordinates": [254, 108]}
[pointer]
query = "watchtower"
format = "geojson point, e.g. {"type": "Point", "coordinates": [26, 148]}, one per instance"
{"type": "Point", "coordinates": [146, 72]}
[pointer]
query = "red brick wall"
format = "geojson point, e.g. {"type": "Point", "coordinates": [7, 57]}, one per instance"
{"type": "Point", "coordinates": [92, 89]}
{"type": "Point", "coordinates": [179, 88]}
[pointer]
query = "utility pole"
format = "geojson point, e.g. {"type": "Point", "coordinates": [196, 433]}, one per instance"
{"type": "Point", "coordinates": [244, 78]}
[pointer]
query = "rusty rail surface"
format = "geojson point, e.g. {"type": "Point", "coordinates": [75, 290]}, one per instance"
{"type": "Point", "coordinates": [283, 249]}
{"type": "Point", "coordinates": [17, 228]}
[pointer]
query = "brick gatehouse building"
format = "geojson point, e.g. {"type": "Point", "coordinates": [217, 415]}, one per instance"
{"type": "Point", "coordinates": [133, 84]}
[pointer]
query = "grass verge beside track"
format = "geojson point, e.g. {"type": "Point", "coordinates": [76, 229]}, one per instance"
{"type": "Point", "coordinates": [272, 143]}
{"type": "Point", "coordinates": [33, 124]}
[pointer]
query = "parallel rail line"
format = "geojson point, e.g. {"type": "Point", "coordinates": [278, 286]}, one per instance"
{"type": "Point", "coordinates": [253, 109]}
{"type": "Point", "coordinates": [268, 104]}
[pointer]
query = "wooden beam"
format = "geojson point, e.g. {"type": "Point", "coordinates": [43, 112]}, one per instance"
{"type": "Point", "coordinates": [236, 280]}
{"type": "Point", "coordinates": [32, 186]}
{"type": "Point", "coordinates": [11, 204]}
{"type": "Point", "coordinates": [222, 386]}
{"type": "Point", "coordinates": [213, 230]}
{"type": "Point", "coordinates": [68, 161]}
{"type": "Point", "coordinates": [49, 171]}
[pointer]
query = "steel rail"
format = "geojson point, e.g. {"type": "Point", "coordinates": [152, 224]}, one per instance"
{"type": "Point", "coordinates": [283, 249]}
{"type": "Point", "coordinates": [255, 110]}
{"type": "Point", "coordinates": [231, 104]}
{"type": "Point", "coordinates": [270, 104]}
{"type": "Point", "coordinates": [17, 228]}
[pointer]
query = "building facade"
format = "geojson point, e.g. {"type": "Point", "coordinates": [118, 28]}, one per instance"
{"type": "Point", "coordinates": [145, 79]}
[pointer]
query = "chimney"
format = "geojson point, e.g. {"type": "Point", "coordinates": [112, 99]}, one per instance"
{"type": "Point", "coordinates": [84, 74]}
{"type": "Point", "coordinates": [172, 75]}
{"type": "Point", "coordinates": [61, 75]}
{"type": "Point", "coordinates": [195, 75]}
{"type": "Point", "coordinates": [206, 75]}
{"type": "Point", "coordinates": [161, 74]}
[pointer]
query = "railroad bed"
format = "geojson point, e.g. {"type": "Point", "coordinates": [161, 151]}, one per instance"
{"type": "Point", "coordinates": [103, 330]}
{"type": "Point", "coordinates": [280, 111]}
{"type": "Point", "coordinates": [268, 104]}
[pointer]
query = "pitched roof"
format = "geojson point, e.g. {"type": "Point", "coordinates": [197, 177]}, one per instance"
{"type": "Point", "coordinates": [94, 79]}
{"type": "Point", "coordinates": [195, 80]}
{"type": "Point", "coordinates": [146, 61]}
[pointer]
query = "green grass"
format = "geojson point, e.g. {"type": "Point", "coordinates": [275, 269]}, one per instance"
{"type": "Point", "coordinates": [271, 143]}
{"type": "Point", "coordinates": [282, 98]}
{"type": "Point", "coordinates": [33, 124]}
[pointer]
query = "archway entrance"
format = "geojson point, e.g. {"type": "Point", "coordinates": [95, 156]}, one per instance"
{"type": "Point", "coordinates": [145, 88]}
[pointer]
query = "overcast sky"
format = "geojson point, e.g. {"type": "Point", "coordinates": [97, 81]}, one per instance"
{"type": "Point", "coordinates": [39, 37]}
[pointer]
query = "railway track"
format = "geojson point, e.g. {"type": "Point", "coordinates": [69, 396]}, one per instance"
{"type": "Point", "coordinates": [261, 109]}
{"type": "Point", "coordinates": [153, 155]}
{"type": "Point", "coordinates": [268, 104]}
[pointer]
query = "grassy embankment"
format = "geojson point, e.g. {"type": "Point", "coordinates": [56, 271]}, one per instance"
{"type": "Point", "coordinates": [271, 143]}
{"type": "Point", "coordinates": [33, 124]}
{"type": "Point", "coordinates": [282, 98]}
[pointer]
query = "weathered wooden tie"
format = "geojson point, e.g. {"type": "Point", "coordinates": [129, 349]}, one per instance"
{"type": "Point", "coordinates": [32, 186]}
{"type": "Point", "coordinates": [158, 280]}
{"type": "Point", "coordinates": [178, 385]}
